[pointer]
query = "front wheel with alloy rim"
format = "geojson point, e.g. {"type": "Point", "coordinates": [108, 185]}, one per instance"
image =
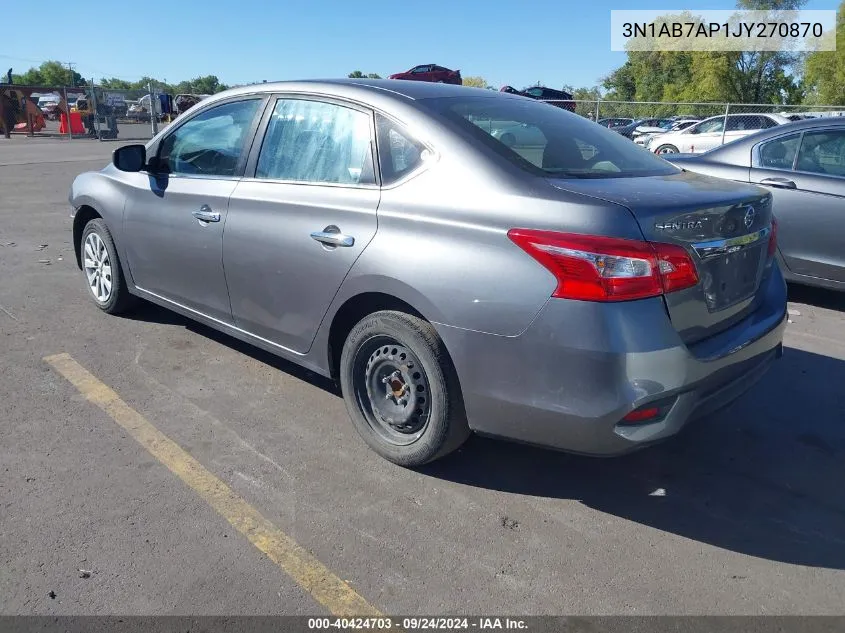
{"type": "Point", "coordinates": [667, 149]}
{"type": "Point", "coordinates": [103, 273]}
{"type": "Point", "coordinates": [401, 390]}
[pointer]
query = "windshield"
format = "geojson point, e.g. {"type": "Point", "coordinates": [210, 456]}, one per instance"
{"type": "Point", "coordinates": [549, 141]}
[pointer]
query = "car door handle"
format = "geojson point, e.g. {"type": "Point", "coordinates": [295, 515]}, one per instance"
{"type": "Point", "coordinates": [205, 214]}
{"type": "Point", "coordinates": [333, 237]}
{"type": "Point", "coordinates": [783, 183]}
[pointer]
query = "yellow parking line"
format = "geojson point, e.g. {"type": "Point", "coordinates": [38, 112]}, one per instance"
{"type": "Point", "coordinates": [326, 588]}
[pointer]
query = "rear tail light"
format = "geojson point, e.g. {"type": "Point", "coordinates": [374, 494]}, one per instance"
{"type": "Point", "coordinates": [593, 268]}
{"type": "Point", "coordinates": [642, 415]}
{"type": "Point", "coordinates": [773, 237]}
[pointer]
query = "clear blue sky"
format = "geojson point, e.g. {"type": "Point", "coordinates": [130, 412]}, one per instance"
{"type": "Point", "coordinates": [554, 42]}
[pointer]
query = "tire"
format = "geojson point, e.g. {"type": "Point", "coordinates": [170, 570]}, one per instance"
{"type": "Point", "coordinates": [666, 149]}
{"type": "Point", "coordinates": [113, 300]}
{"type": "Point", "coordinates": [390, 357]}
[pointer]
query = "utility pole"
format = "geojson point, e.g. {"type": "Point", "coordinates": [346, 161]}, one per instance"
{"type": "Point", "coordinates": [70, 66]}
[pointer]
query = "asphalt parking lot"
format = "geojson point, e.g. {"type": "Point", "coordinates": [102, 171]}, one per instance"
{"type": "Point", "coordinates": [744, 513]}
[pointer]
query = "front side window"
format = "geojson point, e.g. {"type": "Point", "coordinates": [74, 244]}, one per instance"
{"type": "Point", "coordinates": [314, 141]}
{"type": "Point", "coordinates": [421, 69]}
{"type": "Point", "coordinates": [823, 152]}
{"type": "Point", "coordinates": [713, 125]}
{"type": "Point", "coordinates": [550, 141]}
{"type": "Point", "coordinates": [779, 153]}
{"type": "Point", "coordinates": [535, 92]}
{"type": "Point", "coordinates": [211, 143]}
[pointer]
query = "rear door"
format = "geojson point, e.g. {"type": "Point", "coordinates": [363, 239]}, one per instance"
{"type": "Point", "coordinates": [300, 217]}
{"type": "Point", "coordinates": [806, 174]}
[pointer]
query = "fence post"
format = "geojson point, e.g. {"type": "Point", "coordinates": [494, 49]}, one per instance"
{"type": "Point", "coordinates": [598, 101]}
{"type": "Point", "coordinates": [725, 126]}
{"type": "Point", "coordinates": [95, 111]}
{"type": "Point", "coordinates": [153, 118]}
{"type": "Point", "coordinates": [67, 115]}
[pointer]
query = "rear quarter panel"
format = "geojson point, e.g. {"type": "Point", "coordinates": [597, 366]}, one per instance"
{"type": "Point", "coordinates": [442, 245]}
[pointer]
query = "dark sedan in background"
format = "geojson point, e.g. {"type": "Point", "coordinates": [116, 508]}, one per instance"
{"type": "Point", "coordinates": [432, 73]}
{"type": "Point", "coordinates": [803, 164]}
{"type": "Point", "coordinates": [559, 98]}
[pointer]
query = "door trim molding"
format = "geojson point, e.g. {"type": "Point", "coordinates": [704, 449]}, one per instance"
{"type": "Point", "coordinates": [217, 323]}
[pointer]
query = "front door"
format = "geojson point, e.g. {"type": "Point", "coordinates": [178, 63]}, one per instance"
{"type": "Point", "coordinates": [296, 228]}
{"type": "Point", "coordinates": [174, 217]}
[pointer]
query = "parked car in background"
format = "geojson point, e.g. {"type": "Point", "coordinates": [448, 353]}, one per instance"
{"type": "Point", "coordinates": [432, 73]}
{"type": "Point", "coordinates": [581, 294]}
{"type": "Point", "coordinates": [644, 135]}
{"type": "Point", "coordinates": [643, 125]}
{"type": "Point", "coordinates": [51, 110]}
{"type": "Point", "coordinates": [803, 165]}
{"type": "Point", "coordinates": [615, 122]}
{"type": "Point", "coordinates": [559, 98]}
{"type": "Point", "coordinates": [711, 132]}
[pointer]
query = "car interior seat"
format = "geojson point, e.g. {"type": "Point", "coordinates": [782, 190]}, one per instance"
{"type": "Point", "coordinates": [563, 154]}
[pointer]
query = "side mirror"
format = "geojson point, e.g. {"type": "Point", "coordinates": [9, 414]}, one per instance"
{"type": "Point", "coordinates": [130, 158]}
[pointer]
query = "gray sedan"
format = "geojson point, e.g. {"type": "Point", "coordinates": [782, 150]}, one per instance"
{"type": "Point", "coordinates": [803, 165]}
{"type": "Point", "coordinates": [575, 292]}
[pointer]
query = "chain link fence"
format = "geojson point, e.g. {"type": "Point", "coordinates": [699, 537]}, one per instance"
{"type": "Point", "coordinates": [87, 112]}
{"type": "Point", "coordinates": [103, 113]}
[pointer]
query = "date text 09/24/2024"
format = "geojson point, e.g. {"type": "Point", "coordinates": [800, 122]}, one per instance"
{"type": "Point", "coordinates": [417, 623]}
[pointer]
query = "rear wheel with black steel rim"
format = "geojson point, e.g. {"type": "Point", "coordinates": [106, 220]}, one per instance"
{"type": "Point", "coordinates": [401, 390]}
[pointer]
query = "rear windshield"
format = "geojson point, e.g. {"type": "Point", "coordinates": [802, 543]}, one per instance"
{"type": "Point", "coordinates": [549, 141]}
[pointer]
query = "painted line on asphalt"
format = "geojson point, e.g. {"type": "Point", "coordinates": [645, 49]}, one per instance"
{"type": "Point", "coordinates": [308, 572]}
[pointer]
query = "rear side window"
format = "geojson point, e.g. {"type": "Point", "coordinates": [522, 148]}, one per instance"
{"type": "Point", "coordinates": [313, 141]}
{"type": "Point", "coordinates": [745, 122]}
{"type": "Point", "coordinates": [713, 125]}
{"type": "Point", "coordinates": [823, 153]}
{"type": "Point", "coordinates": [399, 152]}
{"type": "Point", "coordinates": [779, 153]}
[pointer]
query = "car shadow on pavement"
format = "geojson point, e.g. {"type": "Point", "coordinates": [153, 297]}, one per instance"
{"type": "Point", "coordinates": [153, 313]}
{"type": "Point", "coordinates": [819, 297]}
{"type": "Point", "coordinates": [765, 478]}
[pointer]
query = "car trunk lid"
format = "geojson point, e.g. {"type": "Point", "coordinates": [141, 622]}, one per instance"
{"type": "Point", "coordinates": [724, 226]}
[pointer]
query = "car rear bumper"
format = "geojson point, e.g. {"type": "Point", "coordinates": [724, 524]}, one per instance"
{"type": "Point", "coordinates": [571, 377]}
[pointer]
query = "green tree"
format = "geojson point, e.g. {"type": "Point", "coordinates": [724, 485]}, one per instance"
{"type": "Point", "coordinates": [357, 74]}
{"type": "Point", "coordinates": [475, 82]}
{"type": "Point", "coordinates": [113, 83]}
{"type": "Point", "coordinates": [702, 76]}
{"type": "Point", "coordinates": [50, 73]}
{"type": "Point", "coordinates": [207, 85]}
{"type": "Point", "coordinates": [824, 71]}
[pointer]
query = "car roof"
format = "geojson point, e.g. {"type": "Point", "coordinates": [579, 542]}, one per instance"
{"type": "Point", "coordinates": [358, 88]}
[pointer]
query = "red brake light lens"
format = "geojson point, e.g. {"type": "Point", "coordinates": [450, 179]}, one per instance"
{"type": "Point", "coordinates": [642, 415]}
{"type": "Point", "coordinates": [773, 237]}
{"type": "Point", "coordinates": [593, 268]}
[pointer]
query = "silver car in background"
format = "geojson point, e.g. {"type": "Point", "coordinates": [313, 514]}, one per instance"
{"type": "Point", "coordinates": [565, 288]}
{"type": "Point", "coordinates": [803, 165]}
